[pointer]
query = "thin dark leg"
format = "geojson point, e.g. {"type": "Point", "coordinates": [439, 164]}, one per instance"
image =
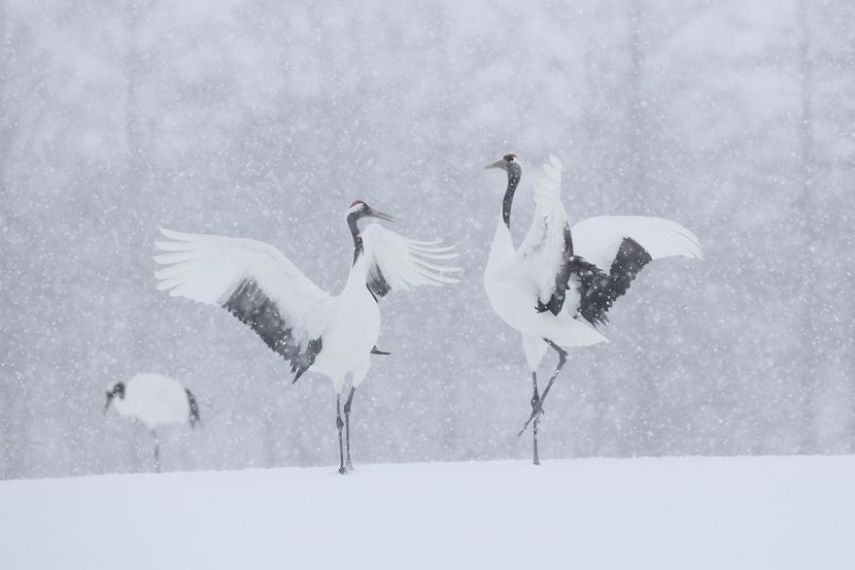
{"type": "Point", "coordinates": [535, 404]}
{"type": "Point", "coordinates": [562, 360]}
{"type": "Point", "coordinates": [156, 451]}
{"type": "Point", "coordinates": [347, 404]}
{"type": "Point", "coordinates": [339, 424]}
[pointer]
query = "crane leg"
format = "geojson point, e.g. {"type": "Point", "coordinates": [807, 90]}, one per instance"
{"type": "Point", "coordinates": [339, 424]}
{"type": "Point", "coordinates": [349, 463]}
{"type": "Point", "coordinates": [535, 405]}
{"type": "Point", "coordinates": [156, 451]}
{"type": "Point", "coordinates": [536, 411]}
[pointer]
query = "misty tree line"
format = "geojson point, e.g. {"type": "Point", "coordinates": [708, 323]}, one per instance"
{"type": "Point", "coordinates": [265, 121]}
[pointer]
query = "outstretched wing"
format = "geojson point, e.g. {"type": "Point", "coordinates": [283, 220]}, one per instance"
{"type": "Point", "coordinates": [611, 250]}
{"type": "Point", "coordinates": [255, 282]}
{"type": "Point", "coordinates": [396, 262]}
{"type": "Point", "coordinates": [548, 246]}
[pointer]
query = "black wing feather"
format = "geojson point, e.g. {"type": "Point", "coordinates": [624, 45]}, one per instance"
{"type": "Point", "coordinates": [562, 277]}
{"type": "Point", "coordinates": [251, 305]}
{"type": "Point", "coordinates": [377, 283]}
{"type": "Point", "coordinates": [598, 289]}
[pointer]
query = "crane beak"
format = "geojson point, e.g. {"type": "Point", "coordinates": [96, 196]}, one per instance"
{"type": "Point", "coordinates": [381, 216]}
{"type": "Point", "coordinates": [497, 164]}
{"type": "Point", "coordinates": [107, 404]}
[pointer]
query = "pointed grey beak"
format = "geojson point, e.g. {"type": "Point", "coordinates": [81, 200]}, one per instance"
{"type": "Point", "coordinates": [107, 404]}
{"type": "Point", "coordinates": [382, 216]}
{"type": "Point", "coordinates": [497, 164]}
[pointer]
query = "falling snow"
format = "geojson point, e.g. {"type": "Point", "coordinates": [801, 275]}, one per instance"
{"type": "Point", "coordinates": [253, 119]}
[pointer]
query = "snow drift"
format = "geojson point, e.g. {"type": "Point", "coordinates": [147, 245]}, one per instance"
{"type": "Point", "coordinates": [769, 512]}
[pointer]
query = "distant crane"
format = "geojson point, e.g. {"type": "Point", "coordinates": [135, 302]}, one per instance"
{"type": "Point", "coordinates": [333, 335]}
{"type": "Point", "coordinates": [559, 285]}
{"type": "Point", "coordinates": [156, 401]}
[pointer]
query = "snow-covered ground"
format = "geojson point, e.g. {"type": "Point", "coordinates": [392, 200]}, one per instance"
{"type": "Point", "coordinates": [686, 513]}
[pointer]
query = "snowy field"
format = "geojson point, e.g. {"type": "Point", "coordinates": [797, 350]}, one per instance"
{"type": "Point", "coordinates": [689, 513]}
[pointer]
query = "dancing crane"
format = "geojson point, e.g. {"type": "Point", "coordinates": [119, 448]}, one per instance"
{"type": "Point", "coordinates": [156, 401]}
{"type": "Point", "coordinates": [332, 335]}
{"type": "Point", "coordinates": [558, 286]}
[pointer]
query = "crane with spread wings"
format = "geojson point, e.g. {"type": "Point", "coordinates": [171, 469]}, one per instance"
{"type": "Point", "coordinates": [311, 329]}
{"type": "Point", "coordinates": [558, 286]}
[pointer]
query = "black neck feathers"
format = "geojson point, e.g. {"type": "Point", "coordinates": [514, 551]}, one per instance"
{"type": "Point", "coordinates": [353, 224]}
{"type": "Point", "coordinates": [514, 173]}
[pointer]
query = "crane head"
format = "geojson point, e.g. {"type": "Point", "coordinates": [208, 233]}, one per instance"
{"type": "Point", "coordinates": [359, 209]}
{"type": "Point", "coordinates": [508, 163]}
{"type": "Point", "coordinates": [114, 390]}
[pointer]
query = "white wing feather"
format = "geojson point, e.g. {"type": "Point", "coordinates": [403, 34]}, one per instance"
{"type": "Point", "coordinates": [403, 263]}
{"type": "Point", "coordinates": [597, 239]}
{"type": "Point", "coordinates": [542, 250]}
{"type": "Point", "coordinates": [209, 268]}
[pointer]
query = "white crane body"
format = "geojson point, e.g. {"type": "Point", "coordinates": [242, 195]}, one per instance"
{"type": "Point", "coordinates": [352, 331]}
{"type": "Point", "coordinates": [556, 288]}
{"type": "Point", "coordinates": [156, 401]}
{"type": "Point", "coordinates": [513, 294]}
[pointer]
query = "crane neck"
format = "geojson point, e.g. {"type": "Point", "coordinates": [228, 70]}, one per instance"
{"type": "Point", "coordinates": [358, 246]}
{"type": "Point", "coordinates": [357, 278]}
{"type": "Point", "coordinates": [508, 200]}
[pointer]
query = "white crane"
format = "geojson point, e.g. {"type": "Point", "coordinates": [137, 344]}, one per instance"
{"type": "Point", "coordinates": [332, 335]}
{"type": "Point", "coordinates": [558, 286]}
{"type": "Point", "coordinates": [155, 400]}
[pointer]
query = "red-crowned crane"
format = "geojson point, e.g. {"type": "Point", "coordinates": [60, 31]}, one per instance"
{"type": "Point", "coordinates": [558, 286]}
{"type": "Point", "coordinates": [330, 334]}
{"type": "Point", "coordinates": [155, 400]}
